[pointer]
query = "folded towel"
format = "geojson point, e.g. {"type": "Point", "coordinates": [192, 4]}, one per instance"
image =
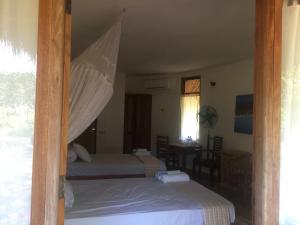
{"type": "Point", "coordinates": [182, 177]}
{"type": "Point", "coordinates": [163, 172]}
{"type": "Point", "coordinates": [175, 177]}
{"type": "Point", "coordinates": [170, 172]}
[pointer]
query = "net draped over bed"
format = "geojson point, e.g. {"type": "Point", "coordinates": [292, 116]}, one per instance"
{"type": "Point", "coordinates": [93, 74]}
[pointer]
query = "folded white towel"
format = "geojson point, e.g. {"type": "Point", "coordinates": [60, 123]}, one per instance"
{"type": "Point", "coordinates": [170, 172]}
{"type": "Point", "coordinates": [182, 177]}
{"type": "Point", "coordinates": [172, 176]}
{"type": "Point", "coordinates": [163, 172]}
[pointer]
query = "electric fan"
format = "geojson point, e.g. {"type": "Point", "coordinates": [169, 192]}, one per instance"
{"type": "Point", "coordinates": [208, 119]}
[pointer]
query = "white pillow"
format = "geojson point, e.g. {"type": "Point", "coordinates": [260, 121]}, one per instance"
{"type": "Point", "coordinates": [69, 195]}
{"type": "Point", "coordinates": [72, 156]}
{"type": "Point", "coordinates": [82, 153]}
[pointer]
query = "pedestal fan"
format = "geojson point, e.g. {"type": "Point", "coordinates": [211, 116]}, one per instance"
{"type": "Point", "coordinates": [208, 119]}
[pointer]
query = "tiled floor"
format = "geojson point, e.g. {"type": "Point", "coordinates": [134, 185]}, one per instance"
{"type": "Point", "coordinates": [242, 203]}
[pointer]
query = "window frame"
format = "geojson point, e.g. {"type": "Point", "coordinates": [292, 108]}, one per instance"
{"type": "Point", "coordinates": [184, 79]}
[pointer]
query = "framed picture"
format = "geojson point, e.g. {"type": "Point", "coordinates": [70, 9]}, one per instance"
{"type": "Point", "coordinates": [243, 122]}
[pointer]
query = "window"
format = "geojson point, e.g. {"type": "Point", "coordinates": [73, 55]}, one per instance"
{"type": "Point", "coordinates": [190, 106]}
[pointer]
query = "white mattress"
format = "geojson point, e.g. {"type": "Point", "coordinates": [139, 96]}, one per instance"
{"type": "Point", "coordinates": [138, 201]}
{"type": "Point", "coordinates": [107, 164]}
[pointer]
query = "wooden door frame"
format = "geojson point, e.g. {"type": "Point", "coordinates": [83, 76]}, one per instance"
{"type": "Point", "coordinates": [50, 136]}
{"type": "Point", "coordinates": [51, 113]}
{"type": "Point", "coordinates": [267, 98]}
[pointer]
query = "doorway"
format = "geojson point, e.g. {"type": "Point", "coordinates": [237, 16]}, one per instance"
{"type": "Point", "coordinates": [48, 135]}
{"type": "Point", "coordinates": [137, 122]}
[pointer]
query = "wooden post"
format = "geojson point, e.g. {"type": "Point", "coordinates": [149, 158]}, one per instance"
{"type": "Point", "coordinates": [267, 91]}
{"type": "Point", "coordinates": [48, 110]}
{"type": "Point", "coordinates": [65, 113]}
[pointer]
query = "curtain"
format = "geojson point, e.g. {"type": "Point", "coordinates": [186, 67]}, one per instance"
{"type": "Point", "coordinates": [93, 74]}
{"type": "Point", "coordinates": [190, 106]}
{"type": "Point", "coordinates": [290, 125]}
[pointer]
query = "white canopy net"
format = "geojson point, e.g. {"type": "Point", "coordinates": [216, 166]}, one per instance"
{"type": "Point", "coordinates": [93, 75]}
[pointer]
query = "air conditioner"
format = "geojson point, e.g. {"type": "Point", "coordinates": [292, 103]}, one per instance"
{"type": "Point", "coordinates": [157, 84]}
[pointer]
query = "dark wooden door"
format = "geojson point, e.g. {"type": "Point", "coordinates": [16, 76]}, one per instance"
{"type": "Point", "coordinates": [137, 122]}
{"type": "Point", "coordinates": [88, 138]}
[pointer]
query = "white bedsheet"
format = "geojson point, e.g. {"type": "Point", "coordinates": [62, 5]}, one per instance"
{"type": "Point", "coordinates": [107, 164]}
{"type": "Point", "coordinates": [138, 201]}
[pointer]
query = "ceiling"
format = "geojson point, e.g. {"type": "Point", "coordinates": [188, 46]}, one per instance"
{"type": "Point", "coordinates": [168, 36]}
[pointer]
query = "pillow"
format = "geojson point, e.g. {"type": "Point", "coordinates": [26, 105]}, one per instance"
{"type": "Point", "coordinates": [82, 153]}
{"type": "Point", "coordinates": [69, 195]}
{"type": "Point", "coordinates": [72, 156]}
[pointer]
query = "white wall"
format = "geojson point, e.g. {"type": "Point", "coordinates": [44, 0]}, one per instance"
{"type": "Point", "coordinates": [231, 80]}
{"type": "Point", "coordinates": [111, 120]}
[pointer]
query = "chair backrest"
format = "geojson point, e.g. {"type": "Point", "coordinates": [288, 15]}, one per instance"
{"type": "Point", "coordinates": [218, 143]}
{"type": "Point", "coordinates": [217, 147]}
{"type": "Point", "coordinates": [162, 143]}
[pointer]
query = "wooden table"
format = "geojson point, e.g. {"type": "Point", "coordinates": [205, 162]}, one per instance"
{"type": "Point", "coordinates": [183, 150]}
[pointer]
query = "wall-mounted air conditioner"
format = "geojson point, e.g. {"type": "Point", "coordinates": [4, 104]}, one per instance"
{"type": "Point", "coordinates": [157, 84]}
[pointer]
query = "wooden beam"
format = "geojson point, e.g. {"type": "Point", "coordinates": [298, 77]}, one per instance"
{"type": "Point", "coordinates": [48, 112]}
{"type": "Point", "coordinates": [267, 91]}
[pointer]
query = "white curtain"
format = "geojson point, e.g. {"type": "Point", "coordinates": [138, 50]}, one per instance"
{"type": "Point", "coordinates": [190, 105]}
{"type": "Point", "coordinates": [93, 74]}
{"type": "Point", "coordinates": [290, 148]}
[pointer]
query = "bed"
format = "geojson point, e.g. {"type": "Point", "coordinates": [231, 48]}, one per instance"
{"type": "Point", "coordinates": [146, 201]}
{"type": "Point", "coordinates": [114, 166]}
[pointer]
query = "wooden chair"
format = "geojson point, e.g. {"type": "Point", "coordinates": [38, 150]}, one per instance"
{"type": "Point", "coordinates": [212, 161]}
{"type": "Point", "coordinates": [162, 143]}
{"type": "Point", "coordinates": [163, 152]}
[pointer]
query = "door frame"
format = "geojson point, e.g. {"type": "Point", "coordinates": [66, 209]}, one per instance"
{"type": "Point", "coordinates": [50, 136]}
{"type": "Point", "coordinates": [51, 100]}
{"type": "Point", "coordinates": [267, 98]}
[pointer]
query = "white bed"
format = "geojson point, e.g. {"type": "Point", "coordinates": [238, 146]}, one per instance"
{"type": "Point", "coordinates": [145, 201]}
{"type": "Point", "coordinates": [109, 166]}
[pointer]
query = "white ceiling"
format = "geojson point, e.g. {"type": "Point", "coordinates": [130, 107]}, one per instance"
{"type": "Point", "coordinates": [165, 36]}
